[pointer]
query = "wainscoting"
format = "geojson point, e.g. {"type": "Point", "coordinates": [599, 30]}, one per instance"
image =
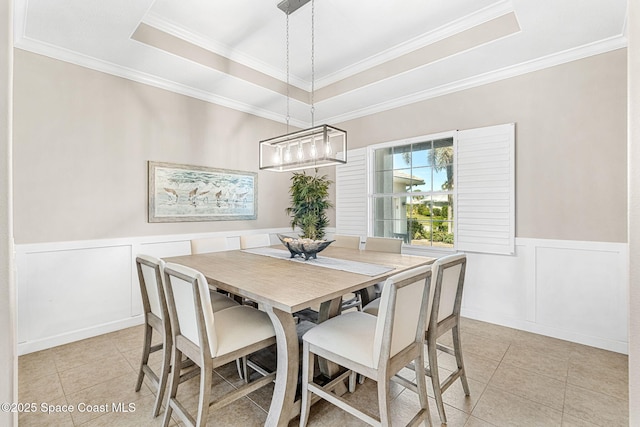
{"type": "Point", "coordinates": [577, 291]}
{"type": "Point", "coordinates": [68, 291]}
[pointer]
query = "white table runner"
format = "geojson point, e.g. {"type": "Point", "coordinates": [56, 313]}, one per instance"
{"type": "Point", "coordinates": [323, 261]}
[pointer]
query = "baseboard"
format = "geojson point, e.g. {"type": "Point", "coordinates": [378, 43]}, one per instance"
{"type": "Point", "coordinates": [523, 325]}
{"type": "Point", "coordinates": [77, 335]}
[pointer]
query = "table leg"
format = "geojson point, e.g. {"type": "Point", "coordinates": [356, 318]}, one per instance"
{"type": "Point", "coordinates": [284, 393]}
{"type": "Point", "coordinates": [329, 309]}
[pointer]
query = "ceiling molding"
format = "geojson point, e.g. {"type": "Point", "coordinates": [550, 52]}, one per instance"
{"type": "Point", "coordinates": [570, 55]}
{"type": "Point", "coordinates": [462, 24]}
{"type": "Point", "coordinates": [229, 52]}
{"type": "Point", "coordinates": [140, 77]}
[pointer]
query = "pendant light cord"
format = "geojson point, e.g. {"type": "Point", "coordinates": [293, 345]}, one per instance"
{"type": "Point", "coordinates": [313, 76]}
{"type": "Point", "coordinates": [287, 36]}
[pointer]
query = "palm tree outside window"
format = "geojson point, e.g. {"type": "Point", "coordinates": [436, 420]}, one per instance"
{"type": "Point", "coordinates": [413, 195]}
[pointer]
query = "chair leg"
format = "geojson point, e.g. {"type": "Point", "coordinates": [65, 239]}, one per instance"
{"type": "Point", "coordinates": [146, 349]}
{"type": "Point", "coordinates": [457, 346]}
{"type": "Point", "coordinates": [308, 361]}
{"type": "Point", "coordinates": [383, 400]}
{"type": "Point", "coordinates": [173, 384]}
{"type": "Point", "coordinates": [241, 366]}
{"type": "Point", "coordinates": [435, 378]}
{"type": "Point", "coordinates": [352, 381]}
{"type": "Point", "coordinates": [206, 374]}
{"type": "Point", "coordinates": [164, 375]}
{"type": "Point", "coordinates": [422, 388]}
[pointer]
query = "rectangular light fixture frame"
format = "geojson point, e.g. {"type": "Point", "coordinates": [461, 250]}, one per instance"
{"type": "Point", "coordinates": [315, 147]}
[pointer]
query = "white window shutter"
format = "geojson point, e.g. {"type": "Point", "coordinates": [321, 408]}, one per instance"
{"type": "Point", "coordinates": [485, 187]}
{"type": "Point", "coordinates": [351, 194]}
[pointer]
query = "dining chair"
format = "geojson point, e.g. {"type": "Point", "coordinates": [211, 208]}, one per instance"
{"type": "Point", "coordinates": [346, 241]}
{"type": "Point", "coordinates": [209, 244]}
{"type": "Point", "coordinates": [150, 271]}
{"type": "Point", "coordinates": [378, 244]}
{"type": "Point", "coordinates": [219, 244]}
{"type": "Point", "coordinates": [150, 276]}
{"type": "Point", "coordinates": [443, 315]}
{"type": "Point", "coordinates": [209, 339]}
{"type": "Point", "coordinates": [448, 273]}
{"type": "Point", "coordinates": [352, 299]}
{"type": "Point", "coordinates": [376, 347]}
{"type": "Point", "coordinates": [250, 241]}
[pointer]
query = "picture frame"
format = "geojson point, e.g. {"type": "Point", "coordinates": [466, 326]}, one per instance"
{"type": "Point", "coordinates": [181, 193]}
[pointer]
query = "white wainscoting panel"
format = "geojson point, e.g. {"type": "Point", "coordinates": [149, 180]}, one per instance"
{"type": "Point", "coordinates": [72, 290]}
{"type": "Point", "coordinates": [67, 291]}
{"type": "Point", "coordinates": [576, 291]}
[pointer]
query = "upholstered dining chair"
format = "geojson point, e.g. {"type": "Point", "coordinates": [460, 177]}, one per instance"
{"type": "Point", "coordinates": [448, 275]}
{"type": "Point", "coordinates": [443, 315]}
{"type": "Point", "coordinates": [219, 244]}
{"type": "Point", "coordinates": [346, 241]}
{"type": "Point", "coordinates": [250, 241]}
{"type": "Point", "coordinates": [378, 244]}
{"type": "Point", "coordinates": [209, 339]}
{"type": "Point", "coordinates": [209, 244]}
{"type": "Point", "coordinates": [352, 299]}
{"type": "Point", "coordinates": [156, 316]}
{"type": "Point", "coordinates": [150, 276]}
{"type": "Point", "coordinates": [376, 347]}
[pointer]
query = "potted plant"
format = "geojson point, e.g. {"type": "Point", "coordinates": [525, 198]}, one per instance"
{"type": "Point", "coordinates": [309, 204]}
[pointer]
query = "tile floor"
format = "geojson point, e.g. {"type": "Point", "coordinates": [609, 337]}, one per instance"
{"type": "Point", "coordinates": [516, 379]}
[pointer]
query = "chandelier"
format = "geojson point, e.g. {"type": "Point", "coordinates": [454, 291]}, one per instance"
{"type": "Point", "coordinates": [318, 146]}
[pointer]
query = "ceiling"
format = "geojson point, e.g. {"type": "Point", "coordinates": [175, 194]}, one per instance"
{"type": "Point", "coordinates": [370, 55]}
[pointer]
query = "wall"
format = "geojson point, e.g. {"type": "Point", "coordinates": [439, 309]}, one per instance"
{"type": "Point", "coordinates": [571, 196]}
{"type": "Point", "coordinates": [634, 211]}
{"type": "Point", "coordinates": [570, 142]}
{"type": "Point", "coordinates": [82, 140]}
{"type": "Point", "coordinates": [8, 358]}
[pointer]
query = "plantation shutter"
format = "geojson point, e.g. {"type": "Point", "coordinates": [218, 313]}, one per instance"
{"type": "Point", "coordinates": [351, 194]}
{"type": "Point", "coordinates": [485, 187]}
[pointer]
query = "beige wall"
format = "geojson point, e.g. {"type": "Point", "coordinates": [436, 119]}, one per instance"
{"type": "Point", "coordinates": [8, 354]}
{"type": "Point", "coordinates": [570, 142]}
{"type": "Point", "coordinates": [82, 140]}
{"type": "Point", "coordinates": [634, 212]}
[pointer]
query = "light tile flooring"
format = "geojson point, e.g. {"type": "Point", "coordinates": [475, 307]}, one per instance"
{"type": "Point", "coordinates": [516, 379]}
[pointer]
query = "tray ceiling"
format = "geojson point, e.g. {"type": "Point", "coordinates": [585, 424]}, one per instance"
{"type": "Point", "coordinates": [370, 55]}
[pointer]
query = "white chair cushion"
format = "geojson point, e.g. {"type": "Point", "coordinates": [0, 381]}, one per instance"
{"type": "Point", "coordinates": [349, 335]}
{"type": "Point", "coordinates": [238, 327]}
{"type": "Point", "coordinates": [373, 307]}
{"type": "Point", "coordinates": [220, 301]}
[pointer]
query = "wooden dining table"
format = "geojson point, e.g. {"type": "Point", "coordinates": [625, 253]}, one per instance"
{"type": "Point", "coordinates": [283, 287]}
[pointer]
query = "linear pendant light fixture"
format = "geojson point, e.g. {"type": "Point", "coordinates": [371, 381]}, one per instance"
{"type": "Point", "coordinates": [321, 145]}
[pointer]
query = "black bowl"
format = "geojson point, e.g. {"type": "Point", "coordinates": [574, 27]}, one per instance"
{"type": "Point", "coordinates": [306, 248]}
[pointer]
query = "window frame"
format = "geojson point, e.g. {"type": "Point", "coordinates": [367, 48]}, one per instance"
{"type": "Point", "coordinates": [372, 195]}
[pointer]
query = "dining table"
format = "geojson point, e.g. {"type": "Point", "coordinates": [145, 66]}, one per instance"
{"type": "Point", "coordinates": [283, 286]}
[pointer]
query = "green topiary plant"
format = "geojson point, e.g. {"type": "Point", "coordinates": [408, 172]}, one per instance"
{"type": "Point", "coordinates": [309, 204]}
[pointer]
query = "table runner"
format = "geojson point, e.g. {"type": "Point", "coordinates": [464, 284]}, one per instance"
{"type": "Point", "coordinates": [323, 261]}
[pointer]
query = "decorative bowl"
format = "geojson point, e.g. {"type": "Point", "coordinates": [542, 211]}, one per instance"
{"type": "Point", "coordinates": [307, 248]}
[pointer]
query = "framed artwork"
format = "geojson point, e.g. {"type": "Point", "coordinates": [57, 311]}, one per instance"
{"type": "Point", "coordinates": [180, 193]}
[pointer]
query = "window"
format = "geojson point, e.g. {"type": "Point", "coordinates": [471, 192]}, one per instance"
{"type": "Point", "coordinates": [453, 190]}
{"type": "Point", "coordinates": [413, 192]}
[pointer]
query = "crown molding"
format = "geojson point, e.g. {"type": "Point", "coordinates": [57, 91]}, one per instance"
{"type": "Point", "coordinates": [450, 29]}
{"type": "Point", "coordinates": [65, 55]}
{"type": "Point", "coordinates": [585, 51]}
{"type": "Point", "coordinates": [459, 25]}
{"type": "Point", "coordinates": [221, 49]}
{"type": "Point", "coordinates": [25, 43]}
